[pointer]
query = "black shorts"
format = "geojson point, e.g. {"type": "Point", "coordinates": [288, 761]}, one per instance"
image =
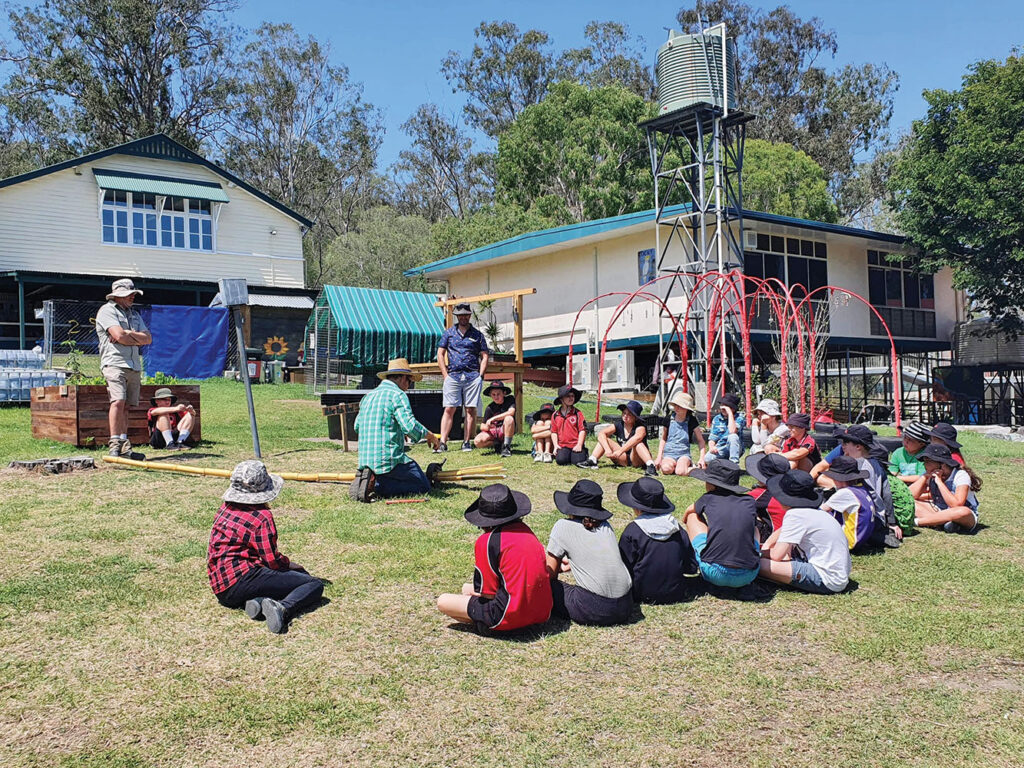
{"type": "Point", "coordinates": [585, 607]}
{"type": "Point", "coordinates": [567, 456]}
{"type": "Point", "coordinates": [156, 438]}
{"type": "Point", "coordinates": [485, 613]}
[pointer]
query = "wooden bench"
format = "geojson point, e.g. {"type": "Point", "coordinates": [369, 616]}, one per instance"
{"type": "Point", "coordinates": [77, 414]}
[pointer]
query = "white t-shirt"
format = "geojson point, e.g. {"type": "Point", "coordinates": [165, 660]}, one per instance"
{"type": "Point", "coordinates": [761, 438]}
{"type": "Point", "coordinates": [823, 543]}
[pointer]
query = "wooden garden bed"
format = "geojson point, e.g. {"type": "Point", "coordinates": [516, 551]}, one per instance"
{"type": "Point", "coordinates": [78, 414]}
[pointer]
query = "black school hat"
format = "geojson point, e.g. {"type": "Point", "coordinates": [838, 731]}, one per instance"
{"type": "Point", "coordinates": [633, 407]}
{"type": "Point", "coordinates": [845, 468]}
{"type": "Point", "coordinates": [939, 453]}
{"type": "Point", "coordinates": [856, 433]}
{"type": "Point", "coordinates": [761, 466]}
{"type": "Point", "coordinates": [584, 499]}
{"type": "Point", "coordinates": [946, 433]}
{"type": "Point", "coordinates": [729, 400]}
{"type": "Point", "coordinates": [646, 494]}
{"type": "Point", "coordinates": [565, 390]}
{"type": "Point", "coordinates": [795, 488]}
{"type": "Point", "coordinates": [801, 420]}
{"type": "Point", "coordinates": [496, 385]}
{"type": "Point", "coordinates": [497, 505]}
{"type": "Point", "coordinates": [725, 474]}
{"type": "Point", "coordinates": [546, 408]}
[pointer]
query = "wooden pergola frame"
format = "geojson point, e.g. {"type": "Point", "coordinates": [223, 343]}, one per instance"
{"type": "Point", "coordinates": [515, 368]}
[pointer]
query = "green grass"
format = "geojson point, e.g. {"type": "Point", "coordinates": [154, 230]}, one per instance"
{"type": "Point", "coordinates": [115, 652]}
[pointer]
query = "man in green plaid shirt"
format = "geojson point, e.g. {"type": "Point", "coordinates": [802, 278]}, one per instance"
{"type": "Point", "coordinates": [384, 419]}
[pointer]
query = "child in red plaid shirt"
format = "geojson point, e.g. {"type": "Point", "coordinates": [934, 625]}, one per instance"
{"type": "Point", "coordinates": [243, 562]}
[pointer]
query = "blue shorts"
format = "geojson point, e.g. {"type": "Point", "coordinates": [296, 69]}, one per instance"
{"type": "Point", "coordinates": [807, 578]}
{"type": "Point", "coordinates": [459, 391]}
{"type": "Point", "coordinates": [722, 575]}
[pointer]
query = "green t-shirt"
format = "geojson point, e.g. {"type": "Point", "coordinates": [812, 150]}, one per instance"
{"type": "Point", "coordinates": [904, 463]}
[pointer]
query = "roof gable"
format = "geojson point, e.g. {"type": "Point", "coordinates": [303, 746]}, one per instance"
{"type": "Point", "coordinates": [162, 147]}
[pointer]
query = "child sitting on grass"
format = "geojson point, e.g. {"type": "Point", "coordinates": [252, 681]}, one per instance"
{"type": "Point", "coordinates": [625, 443]}
{"type": "Point", "coordinates": [852, 506]}
{"type": "Point", "coordinates": [510, 588]}
{"type": "Point", "coordinates": [568, 428]}
{"type": "Point", "coordinates": [674, 446]}
{"type": "Point", "coordinates": [243, 564]}
{"type": "Point", "coordinates": [951, 501]}
{"type": "Point", "coordinates": [656, 550]}
{"type": "Point", "coordinates": [726, 539]}
{"type": "Point", "coordinates": [543, 445]}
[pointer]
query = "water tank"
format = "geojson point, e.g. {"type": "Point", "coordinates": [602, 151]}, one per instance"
{"type": "Point", "coordinates": [689, 71]}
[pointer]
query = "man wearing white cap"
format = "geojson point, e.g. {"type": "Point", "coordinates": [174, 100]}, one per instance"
{"type": "Point", "coordinates": [121, 332]}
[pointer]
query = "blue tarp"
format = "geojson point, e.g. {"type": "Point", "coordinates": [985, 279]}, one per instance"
{"type": "Point", "coordinates": [188, 342]}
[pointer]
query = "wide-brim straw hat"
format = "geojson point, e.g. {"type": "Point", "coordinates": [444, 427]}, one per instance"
{"type": "Point", "coordinates": [399, 366]}
{"type": "Point", "coordinates": [163, 394]}
{"type": "Point", "coordinates": [251, 483]}
{"type": "Point", "coordinates": [683, 400]}
{"type": "Point", "coordinates": [123, 288]}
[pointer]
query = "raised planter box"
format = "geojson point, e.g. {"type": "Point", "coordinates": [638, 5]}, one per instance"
{"type": "Point", "coordinates": [77, 414]}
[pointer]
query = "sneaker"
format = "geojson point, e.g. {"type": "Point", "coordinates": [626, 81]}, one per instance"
{"type": "Point", "coordinates": [891, 541]}
{"type": "Point", "coordinates": [254, 608]}
{"type": "Point", "coordinates": [467, 446]}
{"type": "Point", "coordinates": [274, 613]}
{"type": "Point", "coordinates": [441, 448]}
{"type": "Point", "coordinates": [548, 458]}
{"type": "Point", "coordinates": [506, 451]}
{"type": "Point", "coordinates": [651, 470]}
{"type": "Point", "coordinates": [538, 456]}
{"type": "Point", "coordinates": [587, 464]}
{"type": "Point", "coordinates": [174, 446]}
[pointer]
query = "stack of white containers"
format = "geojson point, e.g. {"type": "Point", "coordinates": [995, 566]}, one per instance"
{"type": "Point", "coordinates": [20, 371]}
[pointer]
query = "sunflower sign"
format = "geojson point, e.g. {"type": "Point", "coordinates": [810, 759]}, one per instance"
{"type": "Point", "coordinates": [275, 347]}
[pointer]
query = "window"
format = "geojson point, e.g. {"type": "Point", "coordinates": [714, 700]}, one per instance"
{"type": "Point", "coordinates": [800, 264]}
{"type": "Point", "coordinates": [157, 221]}
{"type": "Point", "coordinates": [904, 297]}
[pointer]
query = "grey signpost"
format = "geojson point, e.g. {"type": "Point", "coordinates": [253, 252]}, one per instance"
{"type": "Point", "coordinates": [234, 293]}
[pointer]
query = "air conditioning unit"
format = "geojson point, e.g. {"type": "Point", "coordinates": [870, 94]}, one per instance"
{"type": "Point", "coordinates": [749, 240]}
{"type": "Point", "coordinates": [619, 371]}
{"type": "Point", "coordinates": [584, 371]}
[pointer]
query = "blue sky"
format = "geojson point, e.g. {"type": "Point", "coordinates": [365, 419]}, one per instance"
{"type": "Point", "coordinates": [395, 48]}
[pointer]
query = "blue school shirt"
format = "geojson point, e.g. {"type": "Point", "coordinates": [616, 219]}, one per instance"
{"type": "Point", "coordinates": [463, 351]}
{"type": "Point", "coordinates": [720, 427]}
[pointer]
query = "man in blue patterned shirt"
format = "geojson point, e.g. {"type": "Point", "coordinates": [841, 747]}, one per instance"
{"type": "Point", "coordinates": [384, 419]}
{"type": "Point", "coordinates": [462, 356]}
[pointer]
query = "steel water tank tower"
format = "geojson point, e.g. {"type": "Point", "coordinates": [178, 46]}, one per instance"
{"type": "Point", "coordinates": [689, 71]}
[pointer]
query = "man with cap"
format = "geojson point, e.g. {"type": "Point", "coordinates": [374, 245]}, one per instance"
{"type": "Point", "coordinates": [624, 442]}
{"type": "Point", "coordinates": [499, 422]}
{"type": "Point", "coordinates": [725, 440]}
{"type": "Point", "coordinates": [510, 588]}
{"type": "Point", "coordinates": [462, 356]}
{"type": "Point", "coordinates": [905, 461]}
{"type": "Point", "coordinates": [121, 332]}
{"type": "Point", "coordinates": [170, 422]}
{"type": "Point", "coordinates": [767, 430]}
{"type": "Point", "coordinates": [810, 550]}
{"type": "Point", "coordinates": [384, 419]}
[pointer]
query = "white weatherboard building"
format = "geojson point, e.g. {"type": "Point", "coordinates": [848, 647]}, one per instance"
{"type": "Point", "coordinates": [151, 210]}
{"type": "Point", "coordinates": [572, 264]}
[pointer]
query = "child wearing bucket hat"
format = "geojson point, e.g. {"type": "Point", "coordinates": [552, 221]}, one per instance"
{"type": "Point", "coordinates": [510, 588]}
{"type": "Point", "coordinates": [243, 563]}
{"type": "Point", "coordinates": [722, 524]}
{"type": "Point", "coordinates": [767, 429]}
{"type": "Point", "coordinates": [625, 444]}
{"type": "Point", "coordinates": [170, 422]}
{"type": "Point", "coordinates": [540, 431]}
{"type": "Point", "coordinates": [944, 433]}
{"type": "Point", "coordinates": [809, 552]}
{"type": "Point", "coordinates": [674, 446]}
{"type": "Point", "coordinates": [584, 543]}
{"type": "Point", "coordinates": [852, 505]}
{"type": "Point", "coordinates": [800, 448]}
{"type": "Point", "coordinates": [945, 496]}
{"type": "Point", "coordinates": [762, 466]}
{"type": "Point", "coordinates": [905, 461]}
{"type": "Point", "coordinates": [499, 424]}
{"type": "Point", "coordinates": [655, 548]}
{"type": "Point", "coordinates": [725, 440]}
{"type": "Point", "coordinates": [568, 428]}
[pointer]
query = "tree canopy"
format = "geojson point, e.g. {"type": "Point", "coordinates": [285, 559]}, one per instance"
{"type": "Point", "coordinates": [957, 186]}
{"type": "Point", "coordinates": [777, 178]}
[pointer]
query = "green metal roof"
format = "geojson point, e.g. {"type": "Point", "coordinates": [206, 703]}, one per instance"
{"type": "Point", "coordinates": [160, 185]}
{"type": "Point", "coordinates": [370, 326]}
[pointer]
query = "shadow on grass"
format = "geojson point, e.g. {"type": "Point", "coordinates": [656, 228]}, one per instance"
{"type": "Point", "coordinates": [177, 456]}
{"type": "Point", "coordinates": [755, 592]}
{"type": "Point", "coordinates": [552, 626]}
